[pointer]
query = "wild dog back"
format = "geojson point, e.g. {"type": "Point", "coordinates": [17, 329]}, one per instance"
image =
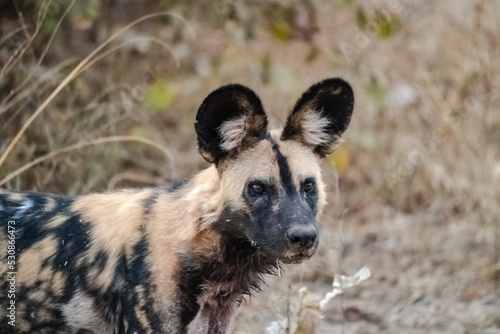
{"type": "Point", "coordinates": [176, 259]}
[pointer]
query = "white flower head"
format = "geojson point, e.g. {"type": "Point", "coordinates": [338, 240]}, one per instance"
{"type": "Point", "coordinates": [342, 283]}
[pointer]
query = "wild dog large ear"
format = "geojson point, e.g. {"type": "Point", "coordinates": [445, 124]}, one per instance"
{"type": "Point", "coordinates": [229, 120]}
{"type": "Point", "coordinates": [321, 115]}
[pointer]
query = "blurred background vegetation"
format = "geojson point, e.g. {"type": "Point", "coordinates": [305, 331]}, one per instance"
{"type": "Point", "coordinates": [414, 191]}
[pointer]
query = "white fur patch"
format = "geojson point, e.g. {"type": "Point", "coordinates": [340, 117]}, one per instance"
{"type": "Point", "coordinates": [313, 129]}
{"type": "Point", "coordinates": [80, 313]}
{"type": "Point", "coordinates": [25, 206]}
{"type": "Point", "coordinates": [232, 133]}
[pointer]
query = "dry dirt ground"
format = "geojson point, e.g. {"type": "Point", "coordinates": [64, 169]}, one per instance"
{"type": "Point", "coordinates": [414, 192]}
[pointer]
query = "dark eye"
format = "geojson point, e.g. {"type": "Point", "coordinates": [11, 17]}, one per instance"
{"type": "Point", "coordinates": [257, 189]}
{"type": "Point", "coordinates": [308, 186]}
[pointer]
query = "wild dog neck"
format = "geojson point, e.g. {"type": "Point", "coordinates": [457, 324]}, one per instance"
{"type": "Point", "coordinates": [211, 265]}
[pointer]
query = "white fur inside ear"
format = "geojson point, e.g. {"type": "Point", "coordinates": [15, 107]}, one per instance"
{"type": "Point", "coordinates": [313, 128]}
{"type": "Point", "coordinates": [232, 133]}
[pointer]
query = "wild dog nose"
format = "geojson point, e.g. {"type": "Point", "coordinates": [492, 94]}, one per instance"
{"type": "Point", "coordinates": [302, 235]}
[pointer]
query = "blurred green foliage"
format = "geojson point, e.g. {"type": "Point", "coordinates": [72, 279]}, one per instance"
{"type": "Point", "coordinates": [86, 11]}
{"type": "Point", "coordinates": [386, 23]}
{"type": "Point", "coordinates": [280, 21]}
{"type": "Point", "coordinates": [159, 96]}
{"type": "Point", "coordinates": [376, 93]}
{"type": "Point", "coordinates": [382, 23]}
{"type": "Point", "coordinates": [361, 18]}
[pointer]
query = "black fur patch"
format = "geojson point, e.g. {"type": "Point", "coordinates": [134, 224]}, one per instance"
{"type": "Point", "coordinates": [189, 286]}
{"type": "Point", "coordinates": [232, 222]}
{"type": "Point", "coordinates": [312, 196]}
{"type": "Point", "coordinates": [139, 275]}
{"type": "Point", "coordinates": [101, 259]}
{"type": "Point", "coordinates": [285, 172]}
{"type": "Point", "coordinates": [333, 99]}
{"type": "Point", "coordinates": [150, 202]}
{"type": "Point", "coordinates": [178, 185]}
{"type": "Point", "coordinates": [73, 237]}
{"type": "Point", "coordinates": [30, 216]}
{"type": "Point", "coordinates": [225, 104]}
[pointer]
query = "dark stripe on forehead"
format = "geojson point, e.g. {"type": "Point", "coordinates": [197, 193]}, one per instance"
{"type": "Point", "coordinates": [285, 172]}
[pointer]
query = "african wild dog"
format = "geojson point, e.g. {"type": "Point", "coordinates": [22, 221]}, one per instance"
{"type": "Point", "coordinates": [177, 259]}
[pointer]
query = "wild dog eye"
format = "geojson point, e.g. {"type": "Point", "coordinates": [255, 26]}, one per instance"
{"type": "Point", "coordinates": [308, 186]}
{"type": "Point", "coordinates": [257, 188]}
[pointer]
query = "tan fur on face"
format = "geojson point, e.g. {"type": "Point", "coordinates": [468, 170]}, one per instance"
{"type": "Point", "coordinates": [303, 163]}
{"type": "Point", "coordinates": [260, 162]}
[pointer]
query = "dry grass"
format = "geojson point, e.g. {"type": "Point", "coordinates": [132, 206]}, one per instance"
{"type": "Point", "coordinates": [418, 201]}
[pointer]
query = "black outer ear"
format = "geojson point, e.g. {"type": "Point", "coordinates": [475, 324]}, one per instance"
{"type": "Point", "coordinates": [321, 115]}
{"type": "Point", "coordinates": [229, 120]}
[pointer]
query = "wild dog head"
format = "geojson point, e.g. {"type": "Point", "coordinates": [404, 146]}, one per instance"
{"type": "Point", "coordinates": [270, 180]}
